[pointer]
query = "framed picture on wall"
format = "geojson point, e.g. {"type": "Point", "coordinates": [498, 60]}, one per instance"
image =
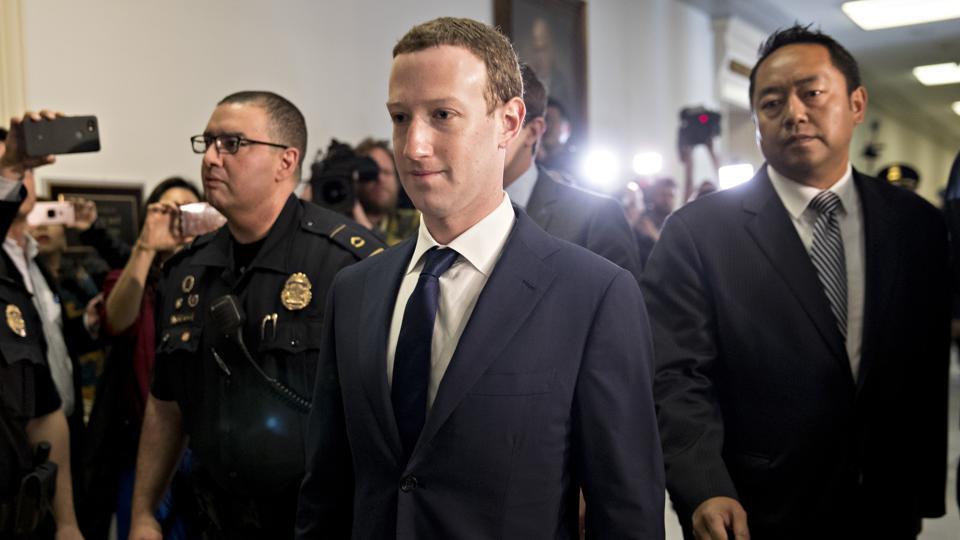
{"type": "Point", "coordinates": [551, 37]}
{"type": "Point", "coordinates": [118, 208]}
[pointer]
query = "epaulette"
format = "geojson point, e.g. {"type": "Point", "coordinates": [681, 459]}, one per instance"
{"type": "Point", "coordinates": [343, 231]}
{"type": "Point", "coordinates": [187, 250]}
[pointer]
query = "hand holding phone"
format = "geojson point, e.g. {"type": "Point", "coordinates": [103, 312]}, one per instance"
{"type": "Point", "coordinates": [159, 232]}
{"type": "Point", "coordinates": [14, 161]}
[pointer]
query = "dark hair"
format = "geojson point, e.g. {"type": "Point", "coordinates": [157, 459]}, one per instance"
{"type": "Point", "coordinates": [286, 120]}
{"type": "Point", "coordinates": [839, 56]}
{"type": "Point", "coordinates": [484, 41]}
{"type": "Point", "coordinates": [534, 94]}
{"type": "Point", "coordinates": [3, 134]}
{"type": "Point", "coordinates": [163, 187]}
{"type": "Point", "coordinates": [367, 145]}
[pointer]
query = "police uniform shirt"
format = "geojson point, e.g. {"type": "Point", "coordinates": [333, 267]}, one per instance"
{"type": "Point", "coordinates": [26, 387]}
{"type": "Point", "coordinates": [246, 437]}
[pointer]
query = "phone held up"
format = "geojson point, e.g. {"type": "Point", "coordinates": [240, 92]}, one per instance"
{"type": "Point", "coordinates": [51, 213]}
{"type": "Point", "coordinates": [199, 218]}
{"type": "Point", "coordinates": [61, 135]}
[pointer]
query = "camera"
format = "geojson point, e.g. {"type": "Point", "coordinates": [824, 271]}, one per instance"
{"type": "Point", "coordinates": [334, 176]}
{"type": "Point", "coordinates": [698, 125]}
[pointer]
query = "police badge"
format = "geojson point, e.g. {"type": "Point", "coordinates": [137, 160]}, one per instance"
{"type": "Point", "coordinates": [296, 292]}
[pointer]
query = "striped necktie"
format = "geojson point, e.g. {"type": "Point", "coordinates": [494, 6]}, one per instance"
{"type": "Point", "coordinates": [827, 255]}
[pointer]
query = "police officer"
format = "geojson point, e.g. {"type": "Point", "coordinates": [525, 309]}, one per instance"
{"type": "Point", "coordinates": [240, 312]}
{"type": "Point", "coordinates": [30, 413]}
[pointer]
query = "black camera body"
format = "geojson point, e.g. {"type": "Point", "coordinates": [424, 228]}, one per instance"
{"type": "Point", "coordinates": [698, 125]}
{"type": "Point", "coordinates": [333, 178]}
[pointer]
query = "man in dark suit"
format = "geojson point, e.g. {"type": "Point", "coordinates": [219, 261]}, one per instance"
{"type": "Point", "coordinates": [588, 220]}
{"type": "Point", "coordinates": [482, 372]}
{"type": "Point", "coordinates": [801, 334]}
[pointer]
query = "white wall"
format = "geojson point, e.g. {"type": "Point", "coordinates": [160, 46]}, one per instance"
{"type": "Point", "coordinates": [647, 60]}
{"type": "Point", "coordinates": [153, 72]}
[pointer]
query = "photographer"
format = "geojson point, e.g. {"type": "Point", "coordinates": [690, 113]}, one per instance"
{"type": "Point", "coordinates": [362, 184]}
{"type": "Point", "coordinates": [30, 405]}
{"type": "Point", "coordinates": [378, 200]}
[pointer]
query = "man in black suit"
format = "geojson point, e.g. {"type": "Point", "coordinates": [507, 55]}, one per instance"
{"type": "Point", "coordinates": [480, 373]}
{"type": "Point", "coordinates": [591, 221]}
{"type": "Point", "coordinates": [801, 334]}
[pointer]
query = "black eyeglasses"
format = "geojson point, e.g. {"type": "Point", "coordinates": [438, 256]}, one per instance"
{"type": "Point", "coordinates": [228, 144]}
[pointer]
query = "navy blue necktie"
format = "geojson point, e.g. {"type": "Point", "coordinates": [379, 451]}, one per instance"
{"type": "Point", "coordinates": [411, 362]}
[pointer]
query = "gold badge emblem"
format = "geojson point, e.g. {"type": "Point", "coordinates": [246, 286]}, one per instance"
{"type": "Point", "coordinates": [178, 303]}
{"type": "Point", "coordinates": [15, 321]}
{"type": "Point", "coordinates": [296, 292]}
{"type": "Point", "coordinates": [187, 284]}
{"type": "Point", "coordinates": [357, 242]}
{"type": "Point", "coordinates": [193, 300]}
{"type": "Point", "coordinates": [185, 337]}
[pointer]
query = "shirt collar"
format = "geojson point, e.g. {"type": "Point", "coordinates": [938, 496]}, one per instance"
{"type": "Point", "coordinates": [272, 254]}
{"type": "Point", "coordinates": [522, 188]}
{"type": "Point", "coordinates": [796, 197]}
{"type": "Point", "coordinates": [479, 245]}
{"type": "Point", "coordinates": [32, 247]}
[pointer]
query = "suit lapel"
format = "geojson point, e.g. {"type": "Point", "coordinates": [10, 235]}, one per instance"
{"type": "Point", "coordinates": [768, 222]}
{"type": "Point", "coordinates": [881, 266]}
{"type": "Point", "coordinates": [541, 199]}
{"type": "Point", "coordinates": [379, 297]}
{"type": "Point", "coordinates": [514, 288]}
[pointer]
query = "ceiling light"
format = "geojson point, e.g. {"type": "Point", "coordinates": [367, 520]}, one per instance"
{"type": "Point", "coordinates": [935, 74]}
{"type": "Point", "coordinates": [877, 14]}
{"type": "Point", "coordinates": [956, 107]}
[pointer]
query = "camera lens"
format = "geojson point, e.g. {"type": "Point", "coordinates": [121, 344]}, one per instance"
{"type": "Point", "coordinates": [51, 213]}
{"type": "Point", "coordinates": [91, 126]}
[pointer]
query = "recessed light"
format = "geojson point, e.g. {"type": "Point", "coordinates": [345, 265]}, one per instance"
{"type": "Point", "coordinates": [936, 74]}
{"type": "Point", "coordinates": [878, 14]}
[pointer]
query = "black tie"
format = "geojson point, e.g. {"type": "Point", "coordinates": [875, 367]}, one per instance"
{"type": "Point", "coordinates": [828, 257]}
{"type": "Point", "coordinates": [411, 362]}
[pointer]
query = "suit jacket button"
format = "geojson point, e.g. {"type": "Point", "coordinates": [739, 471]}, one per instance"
{"type": "Point", "coordinates": [408, 483]}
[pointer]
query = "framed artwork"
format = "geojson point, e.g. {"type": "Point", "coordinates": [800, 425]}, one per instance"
{"type": "Point", "coordinates": [118, 207]}
{"type": "Point", "coordinates": [551, 37]}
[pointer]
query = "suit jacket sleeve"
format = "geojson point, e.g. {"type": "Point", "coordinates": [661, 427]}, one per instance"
{"type": "Point", "coordinates": [932, 371]}
{"type": "Point", "coordinates": [610, 236]}
{"type": "Point", "coordinates": [614, 421]}
{"type": "Point", "coordinates": [685, 340]}
{"type": "Point", "coordinates": [325, 505]}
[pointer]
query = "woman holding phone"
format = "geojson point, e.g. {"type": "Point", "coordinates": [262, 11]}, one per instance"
{"type": "Point", "coordinates": [122, 392]}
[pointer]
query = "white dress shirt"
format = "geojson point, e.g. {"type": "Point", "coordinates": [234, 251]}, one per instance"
{"type": "Point", "coordinates": [521, 189]}
{"type": "Point", "coordinates": [479, 247]}
{"type": "Point", "coordinates": [51, 316]}
{"type": "Point", "coordinates": [796, 198]}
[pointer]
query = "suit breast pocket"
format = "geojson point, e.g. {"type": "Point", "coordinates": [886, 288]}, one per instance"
{"type": "Point", "coordinates": [514, 384]}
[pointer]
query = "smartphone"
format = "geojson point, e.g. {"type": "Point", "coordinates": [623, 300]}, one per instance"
{"type": "Point", "coordinates": [62, 135]}
{"type": "Point", "coordinates": [200, 218]}
{"type": "Point", "coordinates": [51, 213]}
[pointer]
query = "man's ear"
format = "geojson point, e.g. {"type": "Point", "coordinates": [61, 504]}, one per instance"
{"type": "Point", "coordinates": [289, 164]}
{"type": "Point", "coordinates": [858, 104]}
{"type": "Point", "coordinates": [511, 114]}
{"type": "Point", "coordinates": [537, 127]}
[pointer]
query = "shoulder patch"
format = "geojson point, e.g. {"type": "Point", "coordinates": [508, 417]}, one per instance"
{"type": "Point", "coordinates": [342, 231]}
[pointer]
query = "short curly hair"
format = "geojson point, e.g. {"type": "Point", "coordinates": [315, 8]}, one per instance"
{"type": "Point", "coordinates": [487, 43]}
